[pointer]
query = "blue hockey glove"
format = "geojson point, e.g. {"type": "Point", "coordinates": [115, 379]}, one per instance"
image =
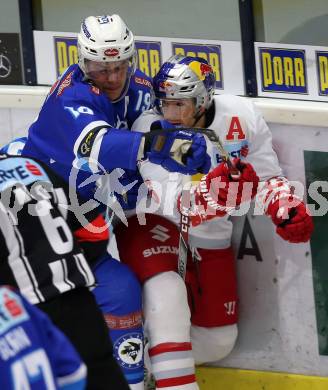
{"type": "Point", "coordinates": [179, 151]}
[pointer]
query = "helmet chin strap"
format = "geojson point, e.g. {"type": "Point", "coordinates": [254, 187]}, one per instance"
{"type": "Point", "coordinates": [197, 117]}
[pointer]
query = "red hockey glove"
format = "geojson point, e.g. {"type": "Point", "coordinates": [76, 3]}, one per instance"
{"type": "Point", "coordinates": [217, 193]}
{"type": "Point", "coordinates": [292, 218]}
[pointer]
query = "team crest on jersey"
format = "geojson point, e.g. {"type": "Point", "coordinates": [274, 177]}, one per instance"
{"type": "Point", "coordinates": [66, 82]}
{"type": "Point", "coordinates": [129, 350]}
{"type": "Point", "coordinates": [12, 311]}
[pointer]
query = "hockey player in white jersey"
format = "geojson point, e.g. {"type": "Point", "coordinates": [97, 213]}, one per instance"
{"type": "Point", "coordinates": [184, 88]}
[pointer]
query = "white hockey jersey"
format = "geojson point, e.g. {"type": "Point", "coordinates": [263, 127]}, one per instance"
{"type": "Point", "coordinates": [243, 133]}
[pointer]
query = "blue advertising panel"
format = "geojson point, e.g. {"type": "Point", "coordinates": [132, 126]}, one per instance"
{"type": "Point", "coordinates": [212, 53]}
{"type": "Point", "coordinates": [149, 57]}
{"type": "Point", "coordinates": [148, 54]}
{"type": "Point", "coordinates": [322, 72]}
{"type": "Point", "coordinates": [283, 70]}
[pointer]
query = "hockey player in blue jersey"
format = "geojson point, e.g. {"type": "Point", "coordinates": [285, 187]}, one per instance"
{"type": "Point", "coordinates": [81, 131]}
{"type": "Point", "coordinates": [47, 253]}
{"type": "Point", "coordinates": [83, 122]}
{"type": "Point", "coordinates": [34, 354]}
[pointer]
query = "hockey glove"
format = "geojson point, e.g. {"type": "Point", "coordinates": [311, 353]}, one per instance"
{"type": "Point", "coordinates": [292, 218]}
{"type": "Point", "coordinates": [218, 194]}
{"type": "Point", "coordinates": [180, 151]}
{"type": "Point", "coordinates": [161, 124]}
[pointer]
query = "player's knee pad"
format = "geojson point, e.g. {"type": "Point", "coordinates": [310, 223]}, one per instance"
{"type": "Point", "coordinates": [166, 310]}
{"type": "Point", "coordinates": [212, 344]}
{"type": "Point", "coordinates": [118, 294]}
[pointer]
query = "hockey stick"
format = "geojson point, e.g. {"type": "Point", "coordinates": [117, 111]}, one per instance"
{"type": "Point", "coordinates": [179, 154]}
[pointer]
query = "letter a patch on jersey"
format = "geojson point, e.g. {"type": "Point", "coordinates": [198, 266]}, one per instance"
{"type": "Point", "coordinates": [235, 131]}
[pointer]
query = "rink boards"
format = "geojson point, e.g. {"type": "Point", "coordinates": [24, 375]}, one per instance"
{"type": "Point", "coordinates": [236, 379]}
{"type": "Point", "coordinates": [283, 288]}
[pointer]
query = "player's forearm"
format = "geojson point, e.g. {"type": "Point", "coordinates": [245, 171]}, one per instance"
{"type": "Point", "coordinates": [120, 149]}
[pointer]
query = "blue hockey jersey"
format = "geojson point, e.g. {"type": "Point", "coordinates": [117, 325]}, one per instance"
{"type": "Point", "coordinates": [79, 126]}
{"type": "Point", "coordinates": [34, 354]}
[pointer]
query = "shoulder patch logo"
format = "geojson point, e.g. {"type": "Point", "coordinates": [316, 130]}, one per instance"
{"type": "Point", "coordinates": [65, 84]}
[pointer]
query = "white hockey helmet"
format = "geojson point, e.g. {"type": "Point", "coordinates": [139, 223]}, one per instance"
{"type": "Point", "coordinates": [105, 39]}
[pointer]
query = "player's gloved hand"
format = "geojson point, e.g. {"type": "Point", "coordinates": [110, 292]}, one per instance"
{"type": "Point", "coordinates": [292, 218]}
{"type": "Point", "coordinates": [179, 151]}
{"type": "Point", "coordinates": [218, 193]}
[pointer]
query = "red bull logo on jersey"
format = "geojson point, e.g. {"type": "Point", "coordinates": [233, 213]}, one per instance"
{"type": "Point", "coordinates": [283, 70]}
{"type": "Point", "coordinates": [211, 53]}
{"type": "Point", "coordinates": [322, 72]}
